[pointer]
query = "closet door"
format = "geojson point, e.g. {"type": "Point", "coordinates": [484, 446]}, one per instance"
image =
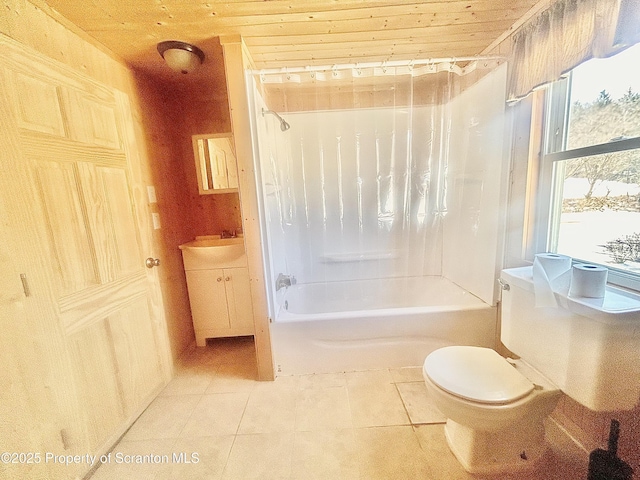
{"type": "Point", "coordinates": [75, 160]}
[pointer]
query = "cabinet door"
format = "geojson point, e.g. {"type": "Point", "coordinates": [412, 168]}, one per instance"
{"type": "Point", "coordinates": [239, 300]}
{"type": "Point", "coordinates": [208, 304]}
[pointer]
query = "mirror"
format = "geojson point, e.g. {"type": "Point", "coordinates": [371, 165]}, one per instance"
{"type": "Point", "coordinates": [215, 163]}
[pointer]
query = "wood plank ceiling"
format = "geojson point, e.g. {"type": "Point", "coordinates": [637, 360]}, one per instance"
{"type": "Point", "coordinates": [286, 33]}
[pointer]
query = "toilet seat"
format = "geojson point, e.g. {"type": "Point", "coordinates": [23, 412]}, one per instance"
{"type": "Point", "coordinates": [477, 374]}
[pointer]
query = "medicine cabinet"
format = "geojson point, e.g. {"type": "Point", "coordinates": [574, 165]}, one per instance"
{"type": "Point", "coordinates": [216, 164]}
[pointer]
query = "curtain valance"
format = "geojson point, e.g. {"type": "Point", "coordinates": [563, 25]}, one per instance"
{"type": "Point", "coordinates": [566, 34]}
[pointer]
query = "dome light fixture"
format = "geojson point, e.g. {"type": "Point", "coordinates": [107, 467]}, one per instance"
{"type": "Point", "coordinates": [180, 56]}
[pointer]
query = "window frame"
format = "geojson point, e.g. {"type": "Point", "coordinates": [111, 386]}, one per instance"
{"type": "Point", "coordinates": [551, 172]}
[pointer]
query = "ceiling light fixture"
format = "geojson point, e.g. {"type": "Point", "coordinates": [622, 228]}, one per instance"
{"type": "Point", "coordinates": [180, 56]}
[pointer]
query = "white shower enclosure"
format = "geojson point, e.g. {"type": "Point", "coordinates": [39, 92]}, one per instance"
{"type": "Point", "coordinates": [386, 173]}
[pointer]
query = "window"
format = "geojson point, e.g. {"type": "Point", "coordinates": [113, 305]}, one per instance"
{"type": "Point", "coordinates": [592, 163]}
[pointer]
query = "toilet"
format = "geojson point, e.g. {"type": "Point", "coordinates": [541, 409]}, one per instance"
{"type": "Point", "coordinates": [496, 407]}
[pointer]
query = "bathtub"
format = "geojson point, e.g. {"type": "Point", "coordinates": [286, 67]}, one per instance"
{"type": "Point", "coordinates": [380, 323]}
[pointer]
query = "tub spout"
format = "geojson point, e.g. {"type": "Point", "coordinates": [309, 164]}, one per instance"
{"type": "Point", "coordinates": [284, 281]}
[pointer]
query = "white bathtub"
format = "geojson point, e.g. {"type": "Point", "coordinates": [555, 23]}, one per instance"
{"type": "Point", "coordinates": [382, 323]}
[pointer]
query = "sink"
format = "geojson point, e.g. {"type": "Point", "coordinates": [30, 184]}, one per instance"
{"type": "Point", "coordinates": [211, 251]}
{"type": "Point", "coordinates": [213, 241]}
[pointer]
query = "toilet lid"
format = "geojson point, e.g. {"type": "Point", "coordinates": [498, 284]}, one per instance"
{"type": "Point", "coordinates": [476, 373]}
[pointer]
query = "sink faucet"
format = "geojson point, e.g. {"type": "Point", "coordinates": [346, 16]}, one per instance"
{"type": "Point", "coordinates": [228, 234]}
{"type": "Point", "coordinates": [284, 281]}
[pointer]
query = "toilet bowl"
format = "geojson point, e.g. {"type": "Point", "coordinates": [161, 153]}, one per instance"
{"type": "Point", "coordinates": [495, 407]}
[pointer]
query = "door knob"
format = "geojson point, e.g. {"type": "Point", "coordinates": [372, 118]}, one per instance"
{"type": "Point", "coordinates": [152, 262]}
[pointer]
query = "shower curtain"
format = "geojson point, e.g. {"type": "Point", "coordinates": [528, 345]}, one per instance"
{"type": "Point", "coordinates": [357, 187]}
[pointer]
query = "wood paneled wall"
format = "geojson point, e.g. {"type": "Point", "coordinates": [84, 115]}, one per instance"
{"type": "Point", "coordinates": [171, 112]}
{"type": "Point", "coordinates": [205, 110]}
{"type": "Point", "coordinates": [31, 26]}
{"type": "Point", "coordinates": [238, 61]}
{"type": "Point", "coordinates": [168, 175]}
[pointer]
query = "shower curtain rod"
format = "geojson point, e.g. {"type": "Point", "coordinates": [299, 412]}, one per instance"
{"type": "Point", "coordinates": [394, 63]}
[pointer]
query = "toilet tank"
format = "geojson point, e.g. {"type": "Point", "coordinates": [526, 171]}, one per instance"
{"type": "Point", "coordinates": [590, 348]}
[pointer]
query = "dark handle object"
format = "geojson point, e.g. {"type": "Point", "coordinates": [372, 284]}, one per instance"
{"type": "Point", "coordinates": [614, 433]}
{"type": "Point", "coordinates": [605, 464]}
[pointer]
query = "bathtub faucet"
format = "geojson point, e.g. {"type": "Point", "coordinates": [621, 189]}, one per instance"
{"type": "Point", "coordinates": [284, 281]}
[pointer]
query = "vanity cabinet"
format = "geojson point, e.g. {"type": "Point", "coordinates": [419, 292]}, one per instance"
{"type": "Point", "coordinates": [218, 285]}
{"type": "Point", "coordinates": [220, 303]}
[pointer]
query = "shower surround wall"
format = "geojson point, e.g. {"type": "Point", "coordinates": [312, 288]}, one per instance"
{"type": "Point", "coordinates": [477, 177]}
{"type": "Point", "coordinates": [351, 196]}
{"type": "Point", "coordinates": [387, 191]}
{"type": "Point", "coordinates": [401, 178]}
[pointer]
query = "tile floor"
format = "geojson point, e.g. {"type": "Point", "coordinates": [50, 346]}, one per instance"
{"type": "Point", "coordinates": [354, 425]}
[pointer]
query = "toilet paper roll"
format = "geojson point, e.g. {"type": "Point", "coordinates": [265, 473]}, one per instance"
{"type": "Point", "coordinates": [551, 273]}
{"type": "Point", "coordinates": [588, 281]}
{"type": "Point", "coordinates": [553, 264]}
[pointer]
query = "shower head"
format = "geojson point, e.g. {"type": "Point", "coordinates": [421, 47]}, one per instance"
{"type": "Point", "coordinates": [284, 126]}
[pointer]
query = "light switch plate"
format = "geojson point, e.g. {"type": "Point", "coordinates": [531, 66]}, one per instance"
{"type": "Point", "coordinates": [151, 193]}
{"type": "Point", "coordinates": [155, 217]}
